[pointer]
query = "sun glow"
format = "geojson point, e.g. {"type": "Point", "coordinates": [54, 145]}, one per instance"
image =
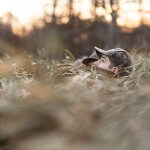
{"type": "Point", "coordinates": [83, 8]}
{"type": "Point", "coordinates": [27, 11]}
{"type": "Point", "coordinates": [24, 10]}
{"type": "Point", "coordinates": [129, 15]}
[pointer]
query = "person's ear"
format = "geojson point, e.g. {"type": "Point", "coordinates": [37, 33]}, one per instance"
{"type": "Point", "coordinates": [115, 70]}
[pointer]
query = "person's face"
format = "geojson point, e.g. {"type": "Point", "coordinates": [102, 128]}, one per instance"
{"type": "Point", "coordinates": [104, 63]}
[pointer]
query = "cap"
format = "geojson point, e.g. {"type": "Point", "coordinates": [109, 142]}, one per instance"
{"type": "Point", "coordinates": [93, 57]}
{"type": "Point", "coordinates": [119, 58]}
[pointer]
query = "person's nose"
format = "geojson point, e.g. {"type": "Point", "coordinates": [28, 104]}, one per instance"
{"type": "Point", "coordinates": [95, 64]}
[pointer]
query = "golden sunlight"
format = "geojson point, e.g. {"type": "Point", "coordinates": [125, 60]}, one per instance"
{"type": "Point", "coordinates": [83, 7]}
{"type": "Point", "coordinates": [24, 10]}
{"type": "Point", "coordinates": [131, 14]}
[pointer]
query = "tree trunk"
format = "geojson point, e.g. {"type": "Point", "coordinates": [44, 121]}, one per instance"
{"type": "Point", "coordinates": [70, 9]}
{"type": "Point", "coordinates": [94, 6]}
{"type": "Point", "coordinates": [54, 11]}
{"type": "Point", "coordinates": [112, 28]}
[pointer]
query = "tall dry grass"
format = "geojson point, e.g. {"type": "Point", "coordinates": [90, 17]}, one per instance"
{"type": "Point", "coordinates": [66, 106]}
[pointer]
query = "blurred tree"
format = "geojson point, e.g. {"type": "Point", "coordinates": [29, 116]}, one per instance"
{"type": "Point", "coordinates": [6, 27]}
{"type": "Point", "coordinates": [70, 9]}
{"type": "Point", "coordinates": [102, 3]}
{"type": "Point", "coordinates": [54, 11]}
{"type": "Point", "coordinates": [112, 36]}
{"type": "Point", "coordinates": [94, 6]}
{"type": "Point", "coordinates": [113, 10]}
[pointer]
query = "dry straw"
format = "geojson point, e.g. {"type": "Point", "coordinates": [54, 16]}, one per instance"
{"type": "Point", "coordinates": [65, 105]}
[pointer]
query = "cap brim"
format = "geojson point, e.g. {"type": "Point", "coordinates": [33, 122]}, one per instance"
{"type": "Point", "coordinates": [100, 52]}
{"type": "Point", "coordinates": [87, 61]}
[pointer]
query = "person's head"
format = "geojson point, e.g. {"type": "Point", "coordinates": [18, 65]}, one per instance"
{"type": "Point", "coordinates": [116, 60]}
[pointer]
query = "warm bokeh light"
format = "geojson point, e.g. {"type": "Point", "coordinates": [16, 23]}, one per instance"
{"type": "Point", "coordinates": [24, 10]}
{"type": "Point", "coordinates": [83, 6]}
{"type": "Point", "coordinates": [146, 5]}
{"type": "Point", "coordinates": [131, 14]}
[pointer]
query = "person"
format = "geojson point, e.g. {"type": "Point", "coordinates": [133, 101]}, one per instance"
{"type": "Point", "coordinates": [116, 61]}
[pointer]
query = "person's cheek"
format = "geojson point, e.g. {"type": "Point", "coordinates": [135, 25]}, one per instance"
{"type": "Point", "coordinates": [103, 65]}
{"type": "Point", "coordinates": [100, 64]}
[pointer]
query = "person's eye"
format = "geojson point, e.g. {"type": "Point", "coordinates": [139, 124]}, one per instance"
{"type": "Point", "coordinates": [103, 59]}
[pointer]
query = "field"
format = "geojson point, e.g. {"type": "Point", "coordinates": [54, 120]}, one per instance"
{"type": "Point", "coordinates": [62, 105]}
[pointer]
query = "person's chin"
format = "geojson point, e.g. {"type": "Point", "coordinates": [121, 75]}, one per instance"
{"type": "Point", "coordinates": [105, 70]}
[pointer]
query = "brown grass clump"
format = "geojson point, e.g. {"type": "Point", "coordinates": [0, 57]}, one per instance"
{"type": "Point", "coordinates": [67, 106]}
